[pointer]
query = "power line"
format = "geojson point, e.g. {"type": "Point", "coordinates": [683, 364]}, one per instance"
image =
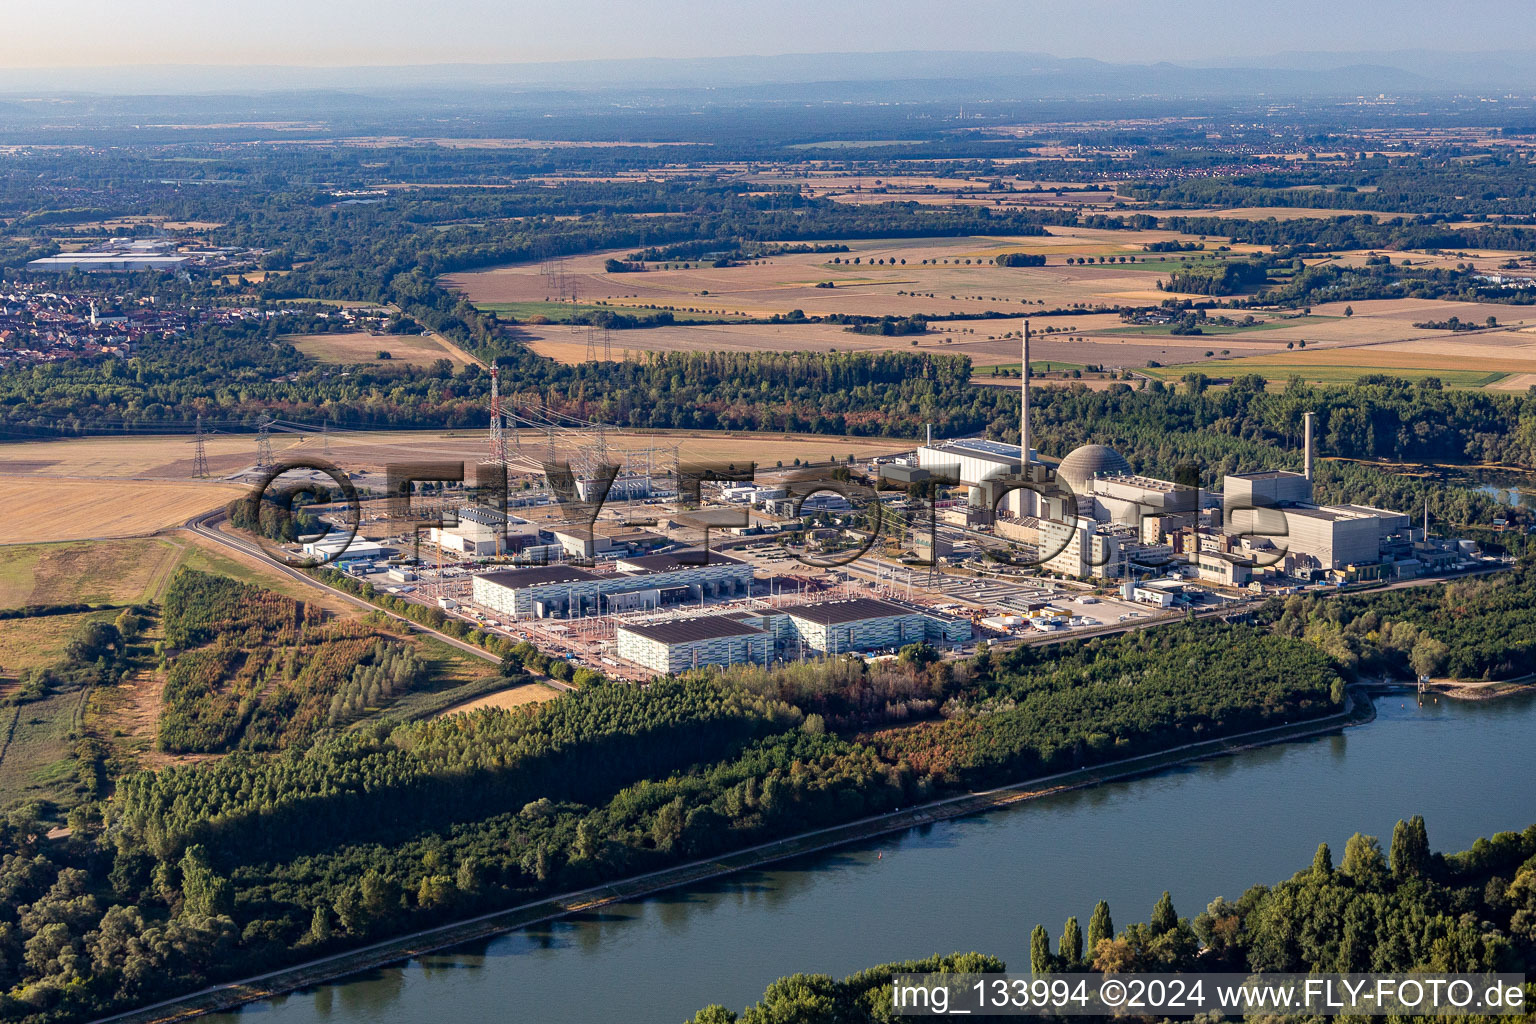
{"type": "Point", "coordinates": [199, 453]}
{"type": "Point", "coordinates": [264, 446]}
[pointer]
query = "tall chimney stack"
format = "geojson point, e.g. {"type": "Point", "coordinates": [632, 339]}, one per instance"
{"type": "Point", "coordinates": [1306, 441]}
{"type": "Point", "coordinates": [1024, 407]}
{"type": "Point", "coordinates": [930, 435]}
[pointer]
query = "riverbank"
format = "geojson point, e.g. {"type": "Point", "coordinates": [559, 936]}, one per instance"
{"type": "Point", "coordinates": [1490, 690]}
{"type": "Point", "coordinates": [1459, 689]}
{"type": "Point", "coordinates": [222, 997]}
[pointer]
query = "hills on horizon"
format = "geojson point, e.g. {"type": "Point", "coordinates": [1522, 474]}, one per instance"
{"type": "Point", "coordinates": [905, 76]}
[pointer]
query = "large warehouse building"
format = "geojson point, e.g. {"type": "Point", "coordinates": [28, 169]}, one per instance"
{"type": "Point", "coordinates": [672, 647]}
{"type": "Point", "coordinates": [647, 581]}
{"type": "Point", "coordinates": [857, 625]}
{"type": "Point", "coordinates": [763, 635]}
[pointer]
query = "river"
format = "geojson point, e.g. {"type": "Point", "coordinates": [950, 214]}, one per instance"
{"type": "Point", "coordinates": [1201, 830]}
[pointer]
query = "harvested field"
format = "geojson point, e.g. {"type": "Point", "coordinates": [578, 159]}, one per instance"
{"type": "Point", "coordinates": [94, 572]}
{"type": "Point", "coordinates": [370, 451]}
{"type": "Point", "coordinates": [784, 283]}
{"type": "Point", "coordinates": [983, 341]}
{"type": "Point", "coordinates": [1090, 339]}
{"type": "Point", "coordinates": [1277, 212]}
{"type": "Point", "coordinates": [362, 347]}
{"type": "Point", "coordinates": [515, 696]}
{"type": "Point", "coordinates": [136, 457]}
{"type": "Point", "coordinates": [1515, 382]}
{"type": "Point", "coordinates": [1409, 311]}
{"type": "Point", "coordinates": [44, 509]}
{"type": "Point", "coordinates": [1484, 359]}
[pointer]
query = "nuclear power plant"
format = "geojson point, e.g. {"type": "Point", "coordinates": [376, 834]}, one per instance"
{"type": "Point", "coordinates": [1090, 515]}
{"type": "Point", "coordinates": [647, 580]}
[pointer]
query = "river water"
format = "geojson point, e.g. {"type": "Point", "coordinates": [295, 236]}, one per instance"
{"type": "Point", "coordinates": [1202, 830]}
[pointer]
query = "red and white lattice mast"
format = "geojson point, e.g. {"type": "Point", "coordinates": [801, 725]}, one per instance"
{"type": "Point", "coordinates": [497, 439]}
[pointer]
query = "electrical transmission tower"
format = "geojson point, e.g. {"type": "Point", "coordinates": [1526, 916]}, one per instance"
{"type": "Point", "coordinates": [496, 439]}
{"type": "Point", "coordinates": [600, 446]}
{"type": "Point", "coordinates": [591, 344]}
{"type": "Point", "coordinates": [199, 453]}
{"type": "Point", "coordinates": [607, 345]}
{"type": "Point", "coordinates": [264, 446]}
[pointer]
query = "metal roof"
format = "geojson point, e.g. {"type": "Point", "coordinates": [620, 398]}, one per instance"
{"type": "Point", "coordinates": [835, 612]}
{"type": "Point", "coordinates": [488, 516]}
{"type": "Point", "coordinates": [678, 631]}
{"type": "Point", "coordinates": [693, 558]}
{"type": "Point", "coordinates": [537, 576]}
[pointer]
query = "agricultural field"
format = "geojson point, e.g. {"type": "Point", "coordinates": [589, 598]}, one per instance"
{"type": "Point", "coordinates": [138, 457]}
{"type": "Point", "coordinates": [1475, 362]}
{"type": "Point", "coordinates": [62, 509]}
{"type": "Point", "coordinates": [783, 283]}
{"type": "Point", "coordinates": [983, 341]}
{"type": "Point", "coordinates": [541, 312]}
{"type": "Point", "coordinates": [1088, 339]}
{"type": "Point", "coordinates": [1380, 338]}
{"type": "Point", "coordinates": [362, 347]}
{"type": "Point", "coordinates": [107, 572]}
{"type": "Point", "coordinates": [512, 697]}
{"type": "Point", "coordinates": [370, 451]}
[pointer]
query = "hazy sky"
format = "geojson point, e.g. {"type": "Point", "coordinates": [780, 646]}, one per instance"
{"type": "Point", "coordinates": [343, 32]}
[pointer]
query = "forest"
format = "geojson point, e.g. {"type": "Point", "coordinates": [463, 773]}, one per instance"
{"type": "Point", "coordinates": [1403, 910]}
{"type": "Point", "coordinates": [249, 669]}
{"type": "Point", "coordinates": [1474, 629]}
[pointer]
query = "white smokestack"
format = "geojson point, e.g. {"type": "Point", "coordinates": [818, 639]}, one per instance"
{"type": "Point", "coordinates": [930, 435]}
{"type": "Point", "coordinates": [1024, 407]}
{"type": "Point", "coordinates": [1306, 443]}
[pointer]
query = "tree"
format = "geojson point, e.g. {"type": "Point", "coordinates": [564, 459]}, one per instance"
{"type": "Point", "coordinates": [1428, 657]}
{"type": "Point", "coordinates": [204, 893]}
{"type": "Point", "coordinates": [435, 891]}
{"type": "Point", "coordinates": [1349, 310]}
{"type": "Point", "coordinates": [1410, 855]}
{"type": "Point", "coordinates": [1164, 918]}
{"type": "Point", "coordinates": [1100, 926]}
{"type": "Point", "coordinates": [319, 927]}
{"type": "Point", "coordinates": [1071, 948]}
{"type": "Point", "coordinates": [1322, 861]}
{"type": "Point", "coordinates": [1363, 861]}
{"type": "Point", "coordinates": [1039, 951]}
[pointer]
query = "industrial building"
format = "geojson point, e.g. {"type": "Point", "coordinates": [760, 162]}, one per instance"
{"type": "Point", "coordinates": [119, 254]}
{"type": "Point", "coordinates": [763, 635]}
{"type": "Point", "coordinates": [981, 466]}
{"type": "Point", "coordinates": [984, 468]}
{"type": "Point", "coordinates": [1130, 500]}
{"type": "Point", "coordinates": [1084, 548]}
{"type": "Point", "coordinates": [681, 644]}
{"type": "Point", "coordinates": [484, 531]}
{"type": "Point", "coordinates": [1275, 511]}
{"type": "Point", "coordinates": [857, 625]}
{"type": "Point", "coordinates": [645, 581]}
{"type": "Point", "coordinates": [122, 262]}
